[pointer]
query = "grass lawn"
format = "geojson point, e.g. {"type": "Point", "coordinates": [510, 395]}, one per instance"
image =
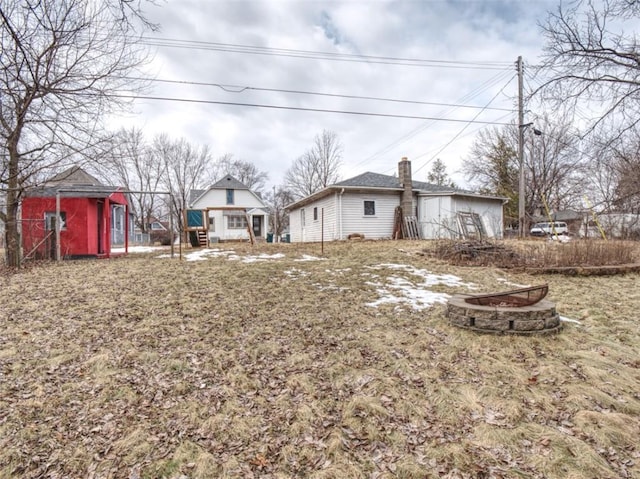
{"type": "Point", "coordinates": [275, 362]}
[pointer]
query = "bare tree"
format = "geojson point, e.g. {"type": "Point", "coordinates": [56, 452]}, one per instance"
{"type": "Point", "coordinates": [624, 161]}
{"type": "Point", "coordinates": [243, 171]}
{"type": "Point", "coordinates": [492, 168]}
{"type": "Point", "coordinates": [277, 201]}
{"type": "Point", "coordinates": [317, 168]}
{"type": "Point", "coordinates": [61, 61]}
{"type": "Point", "coordinates": [553, 166]}
{"type": "Point", "coordinates": [185, 168]}
{"type": "Point", "coordinates": [591, 55]}
{"type": "Point", "coordinates": [133, 164]}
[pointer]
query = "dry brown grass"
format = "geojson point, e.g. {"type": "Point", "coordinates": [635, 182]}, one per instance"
{"type": "Point", "coordinates": [536, 253]}
{"type": "Point", "coordinates": [142, 367]}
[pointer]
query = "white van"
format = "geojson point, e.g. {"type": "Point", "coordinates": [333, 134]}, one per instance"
{"type": "Point", "coordinates": [554, 227]}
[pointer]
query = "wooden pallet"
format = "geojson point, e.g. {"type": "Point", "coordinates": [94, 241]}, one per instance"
{"type": "Point", "coordinates": [411, 228]}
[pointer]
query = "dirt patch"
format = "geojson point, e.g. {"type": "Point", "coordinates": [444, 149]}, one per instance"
{"type": "Point", "coordinates": [273, 361]}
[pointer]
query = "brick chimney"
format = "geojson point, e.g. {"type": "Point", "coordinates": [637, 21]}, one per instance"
{"type": "Point", "coordinates": [404, 175]}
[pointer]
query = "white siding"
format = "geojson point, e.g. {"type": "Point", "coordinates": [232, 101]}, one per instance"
{"type": "Point", "coordinates": [352, 220]}
{"type": "Point", "coordinates": [222, 231]}
{"type": "Point", "coordinates": [490, 212]}
{"type": "Point", "coordinates": [311, 231]}
{"type": "Point", "coordinates": [379, 226]}
{"type": "Point", "coordinates": [218, 198]}
{"type": "Point", "coordinates": [243, 200]}
{"type": "Point", "coordinates": [314, 223]}
{"type": "Point", "coordinates": [437, 215]}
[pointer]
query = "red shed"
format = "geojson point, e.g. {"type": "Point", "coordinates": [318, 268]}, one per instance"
{"type": "Point", "coordinates": [94, 217]}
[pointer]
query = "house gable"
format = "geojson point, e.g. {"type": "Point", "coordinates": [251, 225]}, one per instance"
{"type": "Point", "coordinates": [231, 208]}
{"type": "Point", "coordinates": [75, 176]}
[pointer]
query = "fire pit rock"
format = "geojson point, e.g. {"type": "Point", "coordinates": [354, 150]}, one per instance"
{"type": "Point", "coordinates": [538, 318]}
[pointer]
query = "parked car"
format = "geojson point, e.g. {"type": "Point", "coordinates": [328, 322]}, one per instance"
{"type": "Point", "coordinates": [548, 228]}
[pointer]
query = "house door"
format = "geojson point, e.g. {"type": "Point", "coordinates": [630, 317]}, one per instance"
{"type": "Point", "coordinates": [100, 227]}
{"type": "Point", "coordinates": [257, 226]}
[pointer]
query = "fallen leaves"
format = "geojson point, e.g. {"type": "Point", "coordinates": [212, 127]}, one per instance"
{"type": "Point", "coordinates": [143, 367]}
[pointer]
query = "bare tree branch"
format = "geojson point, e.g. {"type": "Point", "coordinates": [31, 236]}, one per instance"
{"type": "Point", "coordinates": [317, 168]}
{"type": "Point", "coordinates": [61, 61]}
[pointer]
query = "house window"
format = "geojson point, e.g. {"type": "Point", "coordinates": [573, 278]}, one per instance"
{"type": "Point", "coordinates": [229, 197]}
{"type": "Point", "coordinates": [315, 214]}
{"type": "Point", "coordinates": [212, 223]}
{"type": "Point", "coordinates": [236, 222]}
{"type": "Point", "coordinates": [50, 220]}
{"type": "Point", "coordinates": [157, 226]}
{"type": "Point", "coordinates": [369, 208]}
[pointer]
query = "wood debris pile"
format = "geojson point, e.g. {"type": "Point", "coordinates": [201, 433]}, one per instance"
{"type": "Point", "coordinates": [477, 253]}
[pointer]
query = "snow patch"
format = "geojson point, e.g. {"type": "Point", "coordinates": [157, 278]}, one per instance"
{"type": "Point", "coordinates": [569, 320]}
{"type": "Point", "coordinates": [306, 257]}
{"type": "Point", "coordinates": [399, 290]}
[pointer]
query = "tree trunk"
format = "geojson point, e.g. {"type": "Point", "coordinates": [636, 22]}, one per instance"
{"type": "Point", "coordinates": [12, 229]}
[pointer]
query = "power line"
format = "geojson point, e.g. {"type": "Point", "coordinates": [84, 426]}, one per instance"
{"type": "Point", "coordinates": [318, 110]}
{"type": "Point", "coordinates": [461, 131]}
{"type": "Point", "coordinates": [240, 89]}
{"type": "Point", "coordinates": [472, 94]}
{"type": "Point", "coordinates": [344, 57]}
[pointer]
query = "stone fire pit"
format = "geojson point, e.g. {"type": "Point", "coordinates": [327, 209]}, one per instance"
{"type": "Point", "coordinates": [538, 318]}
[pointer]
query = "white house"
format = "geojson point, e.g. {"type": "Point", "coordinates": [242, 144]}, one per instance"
{"type": "Point", "coordinates": [227, 206]}
{"type": "Point", "coordinates": [366, 204]}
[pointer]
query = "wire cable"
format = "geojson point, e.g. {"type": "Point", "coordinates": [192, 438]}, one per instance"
{"type": "Point", "coordinates": [472, 94]}
{"type": "Point", "coordinates": [241, 89]}
{"type": "Point", "coordinates": [455, 137]}
{"type": "Point", "coordinates": [333, 56]}
{"type": "Point", "coordinates": [318, 110]}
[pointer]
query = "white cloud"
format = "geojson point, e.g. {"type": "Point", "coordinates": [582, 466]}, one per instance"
{"type": "Point", "coordinates": [461, 31]}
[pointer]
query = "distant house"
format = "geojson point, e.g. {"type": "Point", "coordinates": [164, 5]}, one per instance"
{"type": "Point", "coordinates": [367, 205]}
{"type": "Point", "coordinates": [226, 210]}
{"type": "Point", "coordinates": [93, 217]}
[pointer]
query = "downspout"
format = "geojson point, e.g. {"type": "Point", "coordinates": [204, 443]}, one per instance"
{"type": "Point", "coordinates": [340, 213]}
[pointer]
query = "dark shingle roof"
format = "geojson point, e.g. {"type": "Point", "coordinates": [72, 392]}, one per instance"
{"type": "Point", "coordinates": [376, 180]}
{"type": "Point", "coordinates": [73, 183]}
{"type": "Point", "coordinates": [75, 176]}
{"type": "Point", "coordinates": [228, 182]}
{"type": "Point", "coordinates": [195, 194]}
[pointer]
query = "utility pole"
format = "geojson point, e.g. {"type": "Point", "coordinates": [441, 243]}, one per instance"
{"type": "Point", "coordinates": [521, 127]}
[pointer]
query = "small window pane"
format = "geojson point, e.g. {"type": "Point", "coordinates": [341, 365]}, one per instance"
{"type": "Point", "coordinates": [236, 222]}
{"type": "Point", "coordinates": [315, 214]}
{"type": "Point", "coordinates": [50, 220]}
{"type": "Point", "coordinates": [229, 197]}
{"type": "Point", "coordinates": [369, 208]}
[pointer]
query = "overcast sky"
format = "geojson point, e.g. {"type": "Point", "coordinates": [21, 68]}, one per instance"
{"type": "Point", "coordinates": [466, 50]}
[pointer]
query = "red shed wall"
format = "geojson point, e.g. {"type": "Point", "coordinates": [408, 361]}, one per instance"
{"type": "Point", "coordinates": [80, 235]}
